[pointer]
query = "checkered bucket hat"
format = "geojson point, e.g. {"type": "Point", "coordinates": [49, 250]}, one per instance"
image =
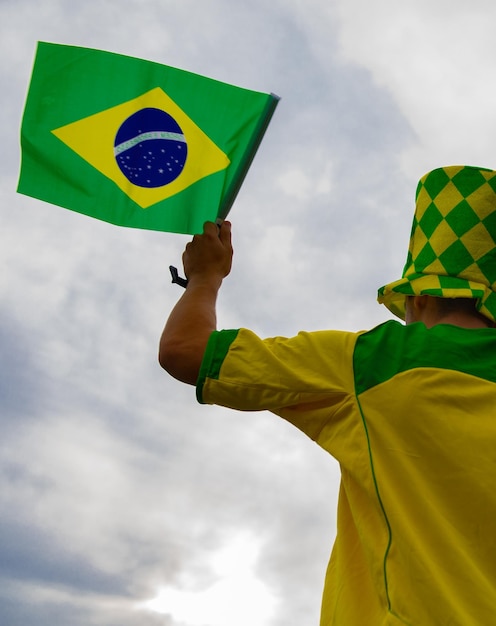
{"type": "Point", "coordinates": [452, 251]}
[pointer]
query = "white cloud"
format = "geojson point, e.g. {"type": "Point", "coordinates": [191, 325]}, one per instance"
{"type": "Point", "coordinates": [436, 60]}
{"type": "Point", "coordinates": [236, 597]}
{"type": "Point", "coordinates": [304, 184]}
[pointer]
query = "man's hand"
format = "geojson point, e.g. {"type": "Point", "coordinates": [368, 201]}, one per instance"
{"type": "Point", "coordinates": [207, 261]}
{"type": "Point", "coordinates": [209, 256]}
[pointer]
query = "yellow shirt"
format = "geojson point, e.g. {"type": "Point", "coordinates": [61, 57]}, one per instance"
{"type": "Point", "coordinates": [410, 414]}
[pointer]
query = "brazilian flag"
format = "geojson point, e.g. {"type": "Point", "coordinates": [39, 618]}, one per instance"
{"type": "Point", "coordinates": [136, 143]}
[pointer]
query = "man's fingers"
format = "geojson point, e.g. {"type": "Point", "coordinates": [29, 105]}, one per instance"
{"type": "Point", "coordinates": [222, 230]}
{"type": "Point", "coordinates": [225, 233]}
{"type": "Point", "coordinates": [210, 228]}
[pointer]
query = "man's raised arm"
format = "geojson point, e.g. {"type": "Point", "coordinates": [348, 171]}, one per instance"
{"type": "Point", "coordinates": [207, 261]}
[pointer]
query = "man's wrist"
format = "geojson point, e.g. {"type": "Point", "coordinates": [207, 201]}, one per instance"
{"type": "Point", "coordinates": [205, 281]}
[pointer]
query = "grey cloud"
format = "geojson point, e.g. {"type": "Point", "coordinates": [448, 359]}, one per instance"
{"type": "Point", "coordinates": [31, 554]}
{"type": "Point", "coordinates": [21, 385]}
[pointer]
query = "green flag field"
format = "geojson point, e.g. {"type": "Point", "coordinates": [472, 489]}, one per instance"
{"type": "Point", "coordinates": [136, 143]}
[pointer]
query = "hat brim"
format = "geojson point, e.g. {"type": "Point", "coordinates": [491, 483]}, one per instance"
{"type": "Point", "coordinates": [394, 295]}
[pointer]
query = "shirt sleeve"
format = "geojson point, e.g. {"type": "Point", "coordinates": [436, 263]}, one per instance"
{"type": "Point", "coordinates": [306, 379]}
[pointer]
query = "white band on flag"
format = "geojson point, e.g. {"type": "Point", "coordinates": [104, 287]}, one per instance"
{"type": "Point", "coordinates": [155, 134]}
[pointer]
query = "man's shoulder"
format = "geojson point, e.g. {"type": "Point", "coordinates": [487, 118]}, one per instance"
{"type": "Point", "coordinates": [392, 348]}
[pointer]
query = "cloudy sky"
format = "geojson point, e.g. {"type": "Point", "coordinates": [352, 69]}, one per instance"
{"type": "Point", "coordinates": [122, 501]}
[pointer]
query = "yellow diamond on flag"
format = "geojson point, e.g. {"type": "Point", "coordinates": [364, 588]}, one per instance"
{"type": "Point", "coordinates": [148, 146]}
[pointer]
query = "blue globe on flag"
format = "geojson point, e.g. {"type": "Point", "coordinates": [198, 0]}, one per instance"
{"type": "Point", "coordinates": [150, 148]}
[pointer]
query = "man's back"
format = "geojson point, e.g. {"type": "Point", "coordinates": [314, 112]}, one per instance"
{"type": "Point", "coordinates": [418, 487]}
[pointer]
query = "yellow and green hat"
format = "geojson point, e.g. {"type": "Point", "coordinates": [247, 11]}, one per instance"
{"type": "Point", "coordinates": [452, 251]}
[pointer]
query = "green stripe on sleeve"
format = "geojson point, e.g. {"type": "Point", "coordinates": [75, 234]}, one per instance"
{"type": "Point", "coordinates": [216, 351]}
